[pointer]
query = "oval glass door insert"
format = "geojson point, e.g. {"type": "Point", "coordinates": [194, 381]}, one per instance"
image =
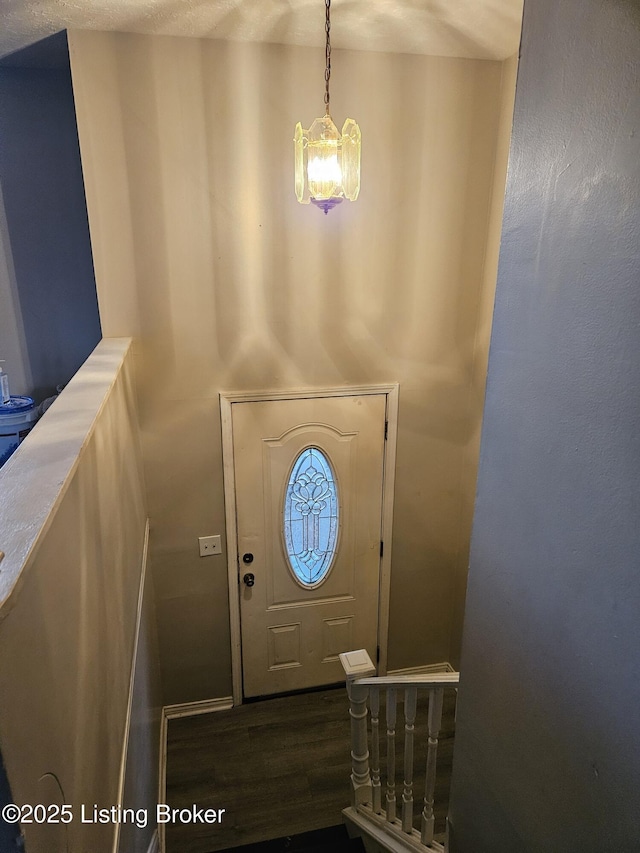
{"type": "Point", "coordinates": [310, 517]}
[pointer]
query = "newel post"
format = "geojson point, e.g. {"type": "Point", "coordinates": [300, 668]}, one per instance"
{"type": "Point", "coordinates": [356, 665]}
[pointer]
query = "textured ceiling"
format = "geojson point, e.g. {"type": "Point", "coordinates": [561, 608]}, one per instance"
{"type": "Point", "coordinates": [485, 29]}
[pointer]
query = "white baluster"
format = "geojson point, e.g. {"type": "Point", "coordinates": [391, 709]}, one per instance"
{"type": "Point", "coordinates": [374, 704]}
{"type": "Point", "coordinates": [410, 703]}
{"type": "Point", "coordinates": [434, 723]}
{"type": "Point", "coordinates": [391, 754]}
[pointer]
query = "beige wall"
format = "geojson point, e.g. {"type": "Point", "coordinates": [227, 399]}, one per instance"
{"type": "Point", "coordinates": [73, 528]}
{"type": "Point", "coordinates": [478, 374]}
{"type": "Point", "coordinates": [202, 253]}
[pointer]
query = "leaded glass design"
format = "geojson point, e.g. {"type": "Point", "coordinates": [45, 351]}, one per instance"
{"type": "Point", "coordinates": [311, 517]}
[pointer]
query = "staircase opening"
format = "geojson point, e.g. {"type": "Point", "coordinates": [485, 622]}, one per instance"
{"type": "Point", "coordinates": [281, 769]}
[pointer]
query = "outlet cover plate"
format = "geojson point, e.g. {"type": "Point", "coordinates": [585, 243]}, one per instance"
{"type": "Point", "coordinates": [209, 545]}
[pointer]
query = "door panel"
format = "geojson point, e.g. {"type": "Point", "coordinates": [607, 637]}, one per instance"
{"type": "Point", "coordinates": [292, 634]}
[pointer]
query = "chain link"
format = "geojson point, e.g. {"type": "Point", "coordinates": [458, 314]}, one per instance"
{"type": "Point", "coordinates": [327, 70]}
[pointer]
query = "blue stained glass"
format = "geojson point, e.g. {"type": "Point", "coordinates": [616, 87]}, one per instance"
{"type": "Point", "coordinates": [311, 517]}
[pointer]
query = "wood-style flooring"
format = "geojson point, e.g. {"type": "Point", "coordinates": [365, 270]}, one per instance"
{"type": "Point", "coordinates": [279, 767]}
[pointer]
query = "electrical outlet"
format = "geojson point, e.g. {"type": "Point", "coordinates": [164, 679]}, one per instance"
{"type": "Point", "coordinates": [209, 545]}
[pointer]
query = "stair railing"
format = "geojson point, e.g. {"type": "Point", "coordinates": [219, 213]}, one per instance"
{"type": "Point", "coordinates": [388, 810]}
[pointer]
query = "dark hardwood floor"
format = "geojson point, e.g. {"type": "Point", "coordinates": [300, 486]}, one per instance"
{"type": "Point", "coordinates": [279, 767]}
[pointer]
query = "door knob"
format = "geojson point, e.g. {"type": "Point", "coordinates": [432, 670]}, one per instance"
{"type": "Point", "coordinates": [247, 558]}
{"type": "Point", "coordinates": [249, 579]}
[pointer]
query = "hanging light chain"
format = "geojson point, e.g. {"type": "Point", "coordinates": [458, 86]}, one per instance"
{"type": "Point", "coordinates": [327, 70]}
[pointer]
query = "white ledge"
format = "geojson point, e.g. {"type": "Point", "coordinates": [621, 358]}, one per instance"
{"type": "Point", "coordinates": [36, 477]}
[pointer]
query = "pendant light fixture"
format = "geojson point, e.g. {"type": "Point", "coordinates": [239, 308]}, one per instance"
{"type": "Point", "coordinates": [327, 162]}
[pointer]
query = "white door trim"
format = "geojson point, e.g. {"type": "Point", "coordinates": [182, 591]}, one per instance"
{"type": "Point", "coordinates": [226, 402]}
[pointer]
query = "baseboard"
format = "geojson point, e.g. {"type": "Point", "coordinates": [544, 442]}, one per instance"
{"type": "Point", "coordinates": [154, 844]}
{"type": "Point", "coordinates": [192, 709]}
{"type": "Point", "coordinates": [426, 669]}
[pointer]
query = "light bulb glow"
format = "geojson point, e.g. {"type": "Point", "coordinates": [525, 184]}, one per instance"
{"type": "Point", "coordinates": [324, 173]}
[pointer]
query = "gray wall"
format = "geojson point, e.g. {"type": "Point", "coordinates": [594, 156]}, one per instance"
{"type": "Point", "coordinates": [47, 285]}
{"type": "Point", "coordinates": [548, 739]}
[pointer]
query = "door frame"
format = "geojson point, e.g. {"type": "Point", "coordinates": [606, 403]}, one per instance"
{"type": "Point", "coordinates": [227, 400]}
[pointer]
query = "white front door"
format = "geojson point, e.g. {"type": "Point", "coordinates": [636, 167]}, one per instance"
{"type": "Point", "coordinates": [308, 478]}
